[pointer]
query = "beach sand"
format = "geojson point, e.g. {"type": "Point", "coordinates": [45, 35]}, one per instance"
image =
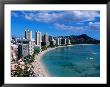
{"type": "Point", "coordinates": [39, 68]}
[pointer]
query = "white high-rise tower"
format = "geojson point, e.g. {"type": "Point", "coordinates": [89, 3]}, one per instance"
{"type": "Point", "coordinates": [28, 35]}
{"type": "Point", "coordinates": [38, 38]}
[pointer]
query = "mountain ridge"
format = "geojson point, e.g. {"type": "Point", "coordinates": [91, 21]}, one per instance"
{"type": "Point", "coordinates": [81, 39]}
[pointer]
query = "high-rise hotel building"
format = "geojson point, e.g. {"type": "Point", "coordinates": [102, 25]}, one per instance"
{"type": "Point", "coordinates": [38, 38]}
{"type": "Point", "coordinates": [63, 41]}
{"type": "Point", "coordinates": [45, 38]}
{"type": "Point", "coordinates": [57, 41]}
{"type": "Point", "coordinates": [28, 35]}
{"type": "Point", "coordinates": [68, 41]}
{"type": "Point", "coordinates": [25, 48]}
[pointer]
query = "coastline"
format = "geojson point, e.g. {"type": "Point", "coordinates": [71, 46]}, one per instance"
{"type": "Point", "coordinates": [39, 69]}
{"type": "Point", "coordinates": [86, 44]}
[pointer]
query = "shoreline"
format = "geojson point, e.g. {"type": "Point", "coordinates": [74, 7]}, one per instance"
{"type": "Point", "coordinates": [86, 44]}
{"type": "Point", "coordinates": [39, 69]}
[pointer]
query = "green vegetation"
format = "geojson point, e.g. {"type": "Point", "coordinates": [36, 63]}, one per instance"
{"type": "Point", "coordinates": [44, 47]}
{"type": "Point", "coordinates": [52, 46]}
{"type": "Point", "coordinates": [29, 59]}
{"type": "Point", "coordinates": [26, 72]}
{"type": "Point", "coordinates": [72, 41]}
{"type": "Point", "coordinates": [36, 50]}
{"type": "Point", "coordinates": [83, 39]}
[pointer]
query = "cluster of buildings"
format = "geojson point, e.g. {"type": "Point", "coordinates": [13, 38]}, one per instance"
{"type": "Point", "coordinates": [26, 45]}
{"type": "Point", "coordinates": [22, 47]}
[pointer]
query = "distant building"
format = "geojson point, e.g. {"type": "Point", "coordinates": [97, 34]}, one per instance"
{"type": "Point", "coordinates": [45, 38]}
{"type": "Point", "coordinates": [28, 35]}
{"type": "Point", "coordinates": [57, 41]}
{"type": "Point", "coordinates": [14, 40]}
{"type": "Point", "coordinates": [51, 38]}
{"type": "Point", "coordinates": [31, 48]}
{"type": "Point", "coordinates": [38, 38]}
{"type": "Point", "coordinates": [45, 43]}
{"type": "Point", "coordinates": [25, 48]}
{"type": "Point", "coordinates": [51, 43]}
{"type": "Point", "coordinates": [37, 46]}
{"type": "Point", "coordinates": [14, 51]}
{"type": "Point", "coordinates": [54, 42]}
{"type": "Point", "coordinates": [68, 41]}
{"type": "Point", "coordinates": [63, 41]}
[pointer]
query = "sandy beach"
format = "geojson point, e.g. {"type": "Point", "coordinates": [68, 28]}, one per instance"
{"type": "Point", "coordinates": [39, 68]}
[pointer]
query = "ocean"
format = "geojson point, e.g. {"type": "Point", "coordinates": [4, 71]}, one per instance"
{"type": "Point", "coordinates": [73, 61]}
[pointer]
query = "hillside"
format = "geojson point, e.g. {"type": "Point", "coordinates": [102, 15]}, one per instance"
{"type": "Point", "coordinates": [81, 39]}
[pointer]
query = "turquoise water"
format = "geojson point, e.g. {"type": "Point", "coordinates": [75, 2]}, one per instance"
{"type": "Point", "coordinates": [73, 61]}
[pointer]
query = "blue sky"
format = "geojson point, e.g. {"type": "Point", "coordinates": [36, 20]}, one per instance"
{"type": "Point", "coordinates": [56, 23]}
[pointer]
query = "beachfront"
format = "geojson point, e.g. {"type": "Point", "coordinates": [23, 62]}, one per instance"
{"type": "Point", "coordinates": [39, 68]}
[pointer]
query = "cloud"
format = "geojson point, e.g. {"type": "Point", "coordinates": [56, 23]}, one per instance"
{"type": "Point", "coordinates": [28, 16]}
{"type": "Point", "coordinates": [48, 17]}
{"type": "Point", "coordinates": [83, 15]}
{"type": "Point", "coordinates": [14, 14]}
{"type": "Point", "coordinates": [63, 16]}
{"type": "Point", "coordinates": [68, 28]}
{"type": "Point", "coordinates": [42, 16]}
{"type": "Point", "coordinates": [94, 25]}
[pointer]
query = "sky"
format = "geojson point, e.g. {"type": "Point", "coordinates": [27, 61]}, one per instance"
{"type": "Point", "coordinates": [56, 23]}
